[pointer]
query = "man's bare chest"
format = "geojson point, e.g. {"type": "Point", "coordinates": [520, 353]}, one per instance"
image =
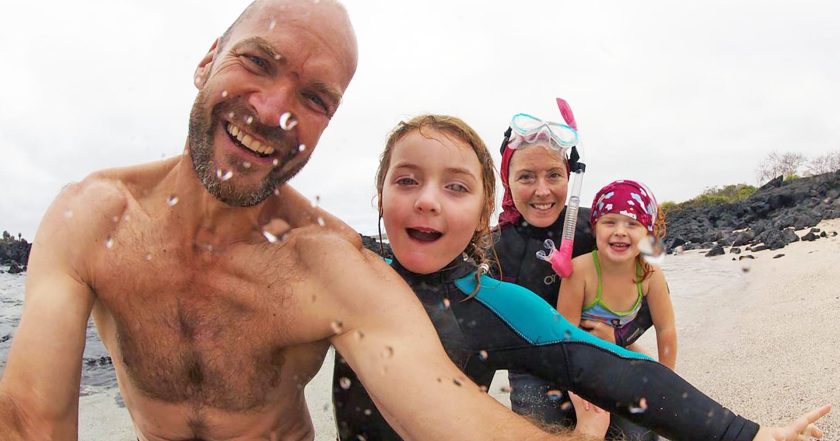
{"type": "Point", "coordinates": [201, 325]}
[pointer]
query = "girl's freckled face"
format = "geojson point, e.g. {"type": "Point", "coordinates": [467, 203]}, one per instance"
{"type": "Point", "coordinates": [432, 199]}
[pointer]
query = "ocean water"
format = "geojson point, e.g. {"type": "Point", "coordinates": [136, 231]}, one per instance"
{"type": "Point", "coordinates": [97, 370]}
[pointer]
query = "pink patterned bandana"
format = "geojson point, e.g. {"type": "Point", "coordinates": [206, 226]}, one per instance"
{"type": "Point", "coordinates": [628, 198]}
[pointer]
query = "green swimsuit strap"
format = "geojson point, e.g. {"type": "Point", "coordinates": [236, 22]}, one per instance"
{"type": "Point", "coordinates": [598, 293]}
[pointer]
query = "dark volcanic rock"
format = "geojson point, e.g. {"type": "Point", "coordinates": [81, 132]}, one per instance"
{"type": "Point", "coordinates": [810, 237]}
{"type": "Point", "coordinates": [717, 250]}
{"type": "Point", "coordinates": [14, 250]}
{"type": "Point", "coordinates": [765, 217]}
{"type": "Point", "coordinates": [778, 256]}
{"type": "Point", "coordinates": [734, 250]}
{"type": "Point", "coordinates": [14, 268]}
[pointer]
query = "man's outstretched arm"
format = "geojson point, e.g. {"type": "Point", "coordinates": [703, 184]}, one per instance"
{"type": "Point", "coordinates": [387, 338]}
{"type": "Point", "coordinates": [39, 391]}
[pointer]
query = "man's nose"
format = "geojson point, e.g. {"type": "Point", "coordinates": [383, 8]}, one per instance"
{"type": "Point", "coordinates": [273, 103]}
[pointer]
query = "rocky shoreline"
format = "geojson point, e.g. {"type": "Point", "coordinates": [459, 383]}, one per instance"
{"type": "Point", "coordinates": [14, 252]}
{"type": "Point", "coordinates": [767, 219]}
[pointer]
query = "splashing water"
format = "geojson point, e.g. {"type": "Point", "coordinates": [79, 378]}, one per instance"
{"type": "Point", "coordinates": [482, 355]}
{"type": "Point", "coordinates": [316, 202]}
{"type": "Point", "coordinates": [287, 121]}
{"type": "Point", "coordinates": [109, 242]}
{"type": "Point", "coordinates": [652, 250]}
{"type": "Point", "coordinates": [223, 175]}
{"type": "Point", "coordinates": [172, 200]}
{"type": "Point", "coordinates": [271, 238]}
{"type": "Point", "coordinates": [344, 382]}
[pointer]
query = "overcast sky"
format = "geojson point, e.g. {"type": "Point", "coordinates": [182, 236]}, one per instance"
{"type": "Point", "coordinates": [680, 96]}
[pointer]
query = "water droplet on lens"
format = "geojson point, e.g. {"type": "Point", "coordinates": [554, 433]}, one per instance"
{"type": "Point", "coordinates": [344, 382]}
{"type": "Point", "coordinates": [249, 119]}
{"type": "Point", "coordinates": [246, 165]}
{"type": "Point", "coordinates": [337, 326]}
{"type": "Point", "coordinates": [554, 395]}
{"type": "Point", "coordinates": [367, 412]}
{"type": "Point", "coordinates": [109, 243]}
{"type": "Point", "coordinates": [172, 200]}
{"type": "Point", "coordinates": [149, 257]}
{"type": "Point", "coordinates": [223, 175]}
{"type": "Point", "coordinates": [272, 24]}
{"type": "Point", "coordinates": [388, 352]}
{"type": "Point", "coordinates": [321, 221]}
{"type": "Point", "coordinates": [482, 355]}
{"type": "Point", "coordinates": [505, 389]}
{"type": "Point", "coordinates": [276, 192]}
{"type": "Point", "coordinates": [269, 237]}
{"type": "Point", "coordinates": [446, 303]}
{"type": "Point", "coordinates": [275, 162]}
{"type": "Point", "coordinates": [231, 115]}
{"type": "Point", "coordinates": [68, 214]}
{"type": "Point", "coordinates": [641, 408]}
{"type": "Point", "coordinates": [224, 94]}
{"type": "Point", "coordinates": [301, 148]}
{"type": "Point", "coordinates": [287, 121]}
{"type": "Point", "coordinates": [566, 405]}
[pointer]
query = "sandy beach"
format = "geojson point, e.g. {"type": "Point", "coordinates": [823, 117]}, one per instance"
{"type": "Point", "coordinates": [757, 335]}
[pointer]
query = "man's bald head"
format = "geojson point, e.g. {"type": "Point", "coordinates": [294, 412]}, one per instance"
{"type": "Point", "coordinates": [338, 20]}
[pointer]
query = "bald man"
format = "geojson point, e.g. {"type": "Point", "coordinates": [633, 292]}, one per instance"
{"type": "Point", "coordinates": [214, 330]}
{"type": "Point", "coordinates": [216, 288]}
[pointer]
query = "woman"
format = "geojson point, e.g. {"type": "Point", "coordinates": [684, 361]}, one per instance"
{"type": "Point", "coordinates": [535, 172]}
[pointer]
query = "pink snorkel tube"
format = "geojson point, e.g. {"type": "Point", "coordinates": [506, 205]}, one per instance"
{"type": "Point", "coordinates": [561, 259]}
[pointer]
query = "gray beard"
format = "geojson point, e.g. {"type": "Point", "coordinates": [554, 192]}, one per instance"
{"type": "Point", "coordinates": [200, 142]}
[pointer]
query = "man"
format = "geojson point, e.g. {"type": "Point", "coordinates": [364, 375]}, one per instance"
{"type": "Point", "coordinates": [213, 329]}
{"type": "Point", "coordinates": [215, 291]}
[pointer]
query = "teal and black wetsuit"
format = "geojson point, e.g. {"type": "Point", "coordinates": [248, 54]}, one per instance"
{"type": "Point", "coordinates": [516, 246]}
{"type": "Point", "coordinates": [505, 326]}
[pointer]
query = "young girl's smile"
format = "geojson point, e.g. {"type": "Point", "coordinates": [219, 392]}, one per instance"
{"type": "Point", "coordinates": [432, 199]}
{"type": "Point", "coordinates": [617, 236]}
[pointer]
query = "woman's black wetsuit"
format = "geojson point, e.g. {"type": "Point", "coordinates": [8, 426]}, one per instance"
{"type": "Point", "coordinates": [516, 246]}
{"type": "Point", "coordinates": [505, 326]}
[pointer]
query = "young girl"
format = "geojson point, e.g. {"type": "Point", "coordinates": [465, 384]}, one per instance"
{"type": "Point", "coordinates": [610, 284]}
{"type": "Point", "coordinates": [435, 185]}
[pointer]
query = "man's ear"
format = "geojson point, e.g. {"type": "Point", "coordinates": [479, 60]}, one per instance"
{"type": "Point", "coordinates": [202, 72]}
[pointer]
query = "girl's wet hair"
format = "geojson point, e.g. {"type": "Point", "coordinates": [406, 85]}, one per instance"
{"type": "Point", "coordinates": [457, 129]}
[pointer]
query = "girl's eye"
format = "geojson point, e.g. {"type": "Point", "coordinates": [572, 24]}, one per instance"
{"type": "Point", "coordinates": [405, 181]}
{"type": "Point", "coordinates": [460, 188]}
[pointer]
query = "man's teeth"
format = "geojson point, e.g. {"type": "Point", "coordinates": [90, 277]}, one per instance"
{"type": "Point", "coordinates": [248, 141]}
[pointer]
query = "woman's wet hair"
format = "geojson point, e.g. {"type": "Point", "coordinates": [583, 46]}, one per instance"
{"type": "Point", "coordinates": [457, 129]}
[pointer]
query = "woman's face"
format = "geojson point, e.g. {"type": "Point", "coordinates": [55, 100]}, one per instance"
{"type": "Point", "coordinates": [432, 199]}
{"type": "Point", "coordinates": [538, 182]}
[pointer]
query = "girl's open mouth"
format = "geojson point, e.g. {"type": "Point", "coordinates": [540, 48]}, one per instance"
{"type": "Point", "coordinates": [423, 234]}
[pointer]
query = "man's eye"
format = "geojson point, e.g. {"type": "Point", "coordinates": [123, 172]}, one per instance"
{"type": "Point", "coordinates": [318, 102]}
{"type": "Point", "coordinates": [260, 62]}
